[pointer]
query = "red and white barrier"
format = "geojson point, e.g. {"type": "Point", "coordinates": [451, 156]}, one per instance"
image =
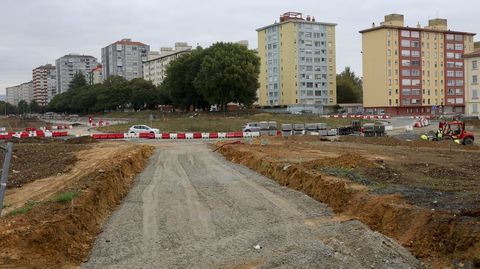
{"type": "Point", "coordinates": [421, 122]}
{"type": "Point", "coordinates": [365, 117]}
{"type": "Point", "coordinates": [36, 133]}
{"type": "Point", "coordinates": [179, 136]}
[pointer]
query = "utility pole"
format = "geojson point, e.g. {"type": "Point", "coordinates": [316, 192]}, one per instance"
{"type": "Point", "coordinates": [6, 165]}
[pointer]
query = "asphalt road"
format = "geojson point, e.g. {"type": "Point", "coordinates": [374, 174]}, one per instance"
{"type": "Point", "coordinates": [192, 209]}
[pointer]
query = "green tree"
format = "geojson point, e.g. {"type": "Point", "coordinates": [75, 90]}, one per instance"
{"type": "Point", "coordinates": [143, 94]}
{"type": "Point", "coordinates": [229, 73]}
{"type": "Point", "coordinates": [6, 108]}
{"type": "Point", "coordinates": [35, 107]}
{"type": "Point", "coordinates": [349, 87]}
{"type": "Point", "coordinates": [178, 85]}
{"type": "Point", "coordinates": [22, 107]}
{"type": "Point", "coordinates": [78, 81]}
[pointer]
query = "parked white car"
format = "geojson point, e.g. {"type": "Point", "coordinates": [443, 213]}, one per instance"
{"type": "Point", "coordinates": [136, 129]}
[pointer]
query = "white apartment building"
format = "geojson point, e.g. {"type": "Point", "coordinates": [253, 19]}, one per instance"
{"type": "Point", "coordinates": [68, 65]}
{"type": "Point", "coordinates": [124, 58]}
{"type": "Point", "coordinates": [472, 92]}
{"type": "Point", "coordinates": [155, 67]}
{"type": "Point", "coordinates": [17, 93]}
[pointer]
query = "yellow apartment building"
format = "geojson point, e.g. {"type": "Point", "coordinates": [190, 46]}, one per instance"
{"type": "Point", "coordinates": [414, 70]}
{"type": "Point", "coordinates": [298, 63]}
{"type": "Point", "coordinates": [472, 62]}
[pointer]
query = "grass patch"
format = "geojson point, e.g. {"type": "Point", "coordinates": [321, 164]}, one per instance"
{"type": "Point", "coordinates": [65, 197]}
{"type": "Point", "coordinates": [22, 210]}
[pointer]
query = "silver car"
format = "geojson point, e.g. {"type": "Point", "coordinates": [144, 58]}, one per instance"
{"type": "Point", "coordinates": [252, 127]}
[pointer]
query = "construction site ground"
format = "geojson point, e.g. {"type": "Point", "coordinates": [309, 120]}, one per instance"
{"type": "Point", "coordinates": [190, 208]}
{"type": "Point", "coordinates": [426, 195]}
{"type": "Point", "coordinates": [60, 195]}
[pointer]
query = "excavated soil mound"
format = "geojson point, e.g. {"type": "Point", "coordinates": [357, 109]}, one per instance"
{"type": "Point", "coordinates": [81, 140]}
{"type": "Point", "coordinates": [439, 237]}
{"type": "Point", "coordinates": [61, 234]}
{"type": "Point", "coordinates": [349, 160]}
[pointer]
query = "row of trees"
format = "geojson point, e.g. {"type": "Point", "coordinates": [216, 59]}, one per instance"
{"type": "Point", "coordinates": [22, 108]}
{"type": "Point", "coordinates": [114, 93]}
{"type": "Point", "coordinates": [220, 74]}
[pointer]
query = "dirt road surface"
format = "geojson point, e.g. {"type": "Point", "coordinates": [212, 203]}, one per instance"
{"type": "Point", "coordinates": [192, 209]}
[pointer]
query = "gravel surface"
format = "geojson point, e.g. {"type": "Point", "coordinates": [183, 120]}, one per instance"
{"type": "Point", "coordinates": [192, 209]}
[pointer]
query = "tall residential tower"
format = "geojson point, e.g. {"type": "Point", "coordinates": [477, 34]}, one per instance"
{"type": "Point", "coordinates": [414, 70]}
{"type": "Point", "coordinates": [68, 65]}
{"type": "Point", "coordinates": [44, 84]}
{"type": "Point", "coordinates": [298, 63]}
{"type": "Point", "coordinates": [124, 58]}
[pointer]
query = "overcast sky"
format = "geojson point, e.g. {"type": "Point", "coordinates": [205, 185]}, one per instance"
{"type": "Point", "coordinates": [36, 32]}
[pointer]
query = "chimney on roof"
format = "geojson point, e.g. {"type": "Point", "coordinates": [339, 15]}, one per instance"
{"type": "Point", "coordinates": [438, 24]}
{"type": "Point", "coordinates": [394, 20]}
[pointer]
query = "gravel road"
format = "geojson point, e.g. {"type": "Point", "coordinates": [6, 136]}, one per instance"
{"type": "Point", "coordinates": [192, 209]}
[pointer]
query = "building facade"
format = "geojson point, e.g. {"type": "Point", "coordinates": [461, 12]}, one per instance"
{"type": "Point", "coordinates": [68, 65]}
{"type": "Point", "coordinates": [124, 58]}
{"type": "Point", "coordinates": [414, 70]}
{"type": "Point", "coordinates": [298, 62]}
{"type": "Point", "coordinates": [44, 79]}
{"type": "Point", "coordinates": [472, 62]}
{"type": "Point", "coordinates": [95, 76]}
{"type": "Point", "coordinates": [17, 93]}
{"type": "Point", "coordinates": [155, 67]}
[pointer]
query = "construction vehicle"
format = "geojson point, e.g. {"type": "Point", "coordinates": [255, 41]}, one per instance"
{"type": "Point", "coordinates": [454, 130]}
{"type": "Point", "coordinates": [373, 129]}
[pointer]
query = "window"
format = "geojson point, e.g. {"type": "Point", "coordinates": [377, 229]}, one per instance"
{"type": "Point", "coordinates": [415, 73]}
{"type": "Point", "coordinates": [450, 37]}
{"type": "Point", "coordinates": [415, 82]}
{"type": "Point", "coordinates": [405, 33]}
{"type": "Point", "coordinates": [458, 100]}
{"type": "Point", "coordinates": [415, 44]}
{"type": "Point", "coordinates": [458, 46]}
{"type": "Point", "coordinates": [415, 53]}
{"type": "Point", "coordinates": [415, 34]}
{"type": "Point", "coordinates": [406, 53]}
{"type": "Point", "coordinates": [405, 62]}
{"type": "Point", "coordinates": [474, 108]}
{"type": "Point", "coordinates": [406, 82]}
{"type": "Point", "coordinates": [474, 79]}
{"type": "Point", "coordinates": [405, 43]}
{"type": "Point", "coordinates": [458, 37]}
{"type": "Point", "coordinates": [450, 46]}
{"type": "Point", "coordinates": [405, 72]}
{"type": "Point", "coordinates": [474, 65]}
{"type": "Point", "coordinates": [450, 73]}
{"type": "Point", "coordinates": [459, 82]}
{"type": "Point", "coordinates": [474, 94]}
{"type": "Point", "coordinates": [450, 55]}
{"type": "Point", "coordinates": [459, 74]}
